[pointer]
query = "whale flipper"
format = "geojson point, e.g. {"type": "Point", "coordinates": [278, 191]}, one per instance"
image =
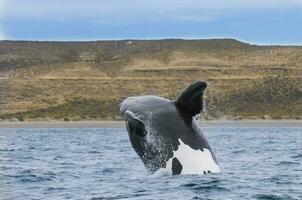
{"type": "Point", "coordinates": [176, 167]}
{"type": "Point", "coordinates": [190, 100]}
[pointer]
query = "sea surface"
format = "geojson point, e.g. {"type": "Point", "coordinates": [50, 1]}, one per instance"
{"type": "Point", "coordinates": [257, 162]}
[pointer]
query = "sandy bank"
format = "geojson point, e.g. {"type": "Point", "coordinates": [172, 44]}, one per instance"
{"type": "Point", "coordinates": [121, 124]}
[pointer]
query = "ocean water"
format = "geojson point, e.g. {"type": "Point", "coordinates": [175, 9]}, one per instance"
{"type": "Point", "coordinates": [257, 162]}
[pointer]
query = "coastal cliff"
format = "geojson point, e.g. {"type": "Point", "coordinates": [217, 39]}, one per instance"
{"type": "Point", "coordinates": [87, 80]}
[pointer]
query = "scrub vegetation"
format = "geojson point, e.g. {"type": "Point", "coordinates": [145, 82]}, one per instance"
{"type": "Point", "coordinates": [87, 80]}
{"type": "Point", "coordinates": [274, 97]}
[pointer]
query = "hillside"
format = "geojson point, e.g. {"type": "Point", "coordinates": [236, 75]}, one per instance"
{"type": "Point", "coordinates": [87, 80]}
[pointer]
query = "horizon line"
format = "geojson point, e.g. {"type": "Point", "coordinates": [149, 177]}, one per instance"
{"type": "Point", "coordinates": [154, 39]}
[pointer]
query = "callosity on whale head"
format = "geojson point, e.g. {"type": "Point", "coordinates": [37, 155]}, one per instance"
{"type": "Point", "coordinates": [165, 134]}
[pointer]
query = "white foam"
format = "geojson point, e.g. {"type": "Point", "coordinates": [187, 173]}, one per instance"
{"type": "Point", "coordinates": [193, 161]}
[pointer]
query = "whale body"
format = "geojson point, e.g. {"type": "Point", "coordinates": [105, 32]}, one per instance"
{"type": "Point", "coordinates": [165, 134]}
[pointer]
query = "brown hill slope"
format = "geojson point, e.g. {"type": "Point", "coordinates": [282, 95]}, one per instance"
{"type": "Point", "coordinates": [87, 80]}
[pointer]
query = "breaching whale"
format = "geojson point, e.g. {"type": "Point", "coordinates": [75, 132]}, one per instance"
{"type": "Point", "coordinates": [165, 134]}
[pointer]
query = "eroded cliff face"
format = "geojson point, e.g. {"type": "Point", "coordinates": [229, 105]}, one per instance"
{"type": "Point", "coordinates": [87, 80]}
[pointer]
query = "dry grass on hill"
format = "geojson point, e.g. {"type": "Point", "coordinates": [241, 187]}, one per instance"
{"type": "Point", "coordinates": [87, 80]}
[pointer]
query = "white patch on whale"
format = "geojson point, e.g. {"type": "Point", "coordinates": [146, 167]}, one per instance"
{"type": "Point", "coordinates": [193, 161]}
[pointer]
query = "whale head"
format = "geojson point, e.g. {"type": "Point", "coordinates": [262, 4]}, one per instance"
{"type": "Point", "coordinates": [157, 126]}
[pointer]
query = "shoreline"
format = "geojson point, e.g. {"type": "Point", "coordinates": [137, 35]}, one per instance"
{"type": "Point", "coordinates": [121, 124]}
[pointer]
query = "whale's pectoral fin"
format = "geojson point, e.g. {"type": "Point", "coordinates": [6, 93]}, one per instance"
{"type": "Point", "coordinates": [135, 125]}
{"type": "Point", "coordinates": [190, 101]}
{"type": "Point", "coordinates": [176, 167]}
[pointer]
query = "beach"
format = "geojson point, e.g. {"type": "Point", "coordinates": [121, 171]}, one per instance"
{"type": "Point", "coordinates": [121, 124]}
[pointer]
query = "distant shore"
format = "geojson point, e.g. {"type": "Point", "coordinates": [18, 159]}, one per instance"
{"type": "Point", "coordinates": [121, 124]}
